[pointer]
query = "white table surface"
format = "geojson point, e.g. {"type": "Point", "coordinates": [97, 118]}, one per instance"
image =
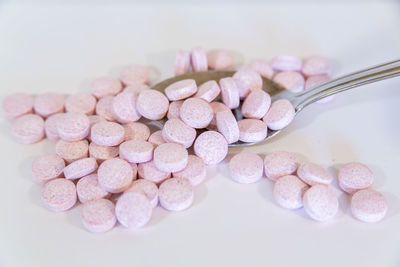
{"type": "Point", "coordinates": [61, 48]}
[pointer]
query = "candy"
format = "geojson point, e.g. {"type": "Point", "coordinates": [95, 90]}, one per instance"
{"type": "Point", "coordinates": [261, 67]}
{"type": "Point", "coordinates": [181, 89]}
{"type": "Point", "coordinates": [288, 192]}
{"type": "Point", "coordinates": [73, 126]}
{"type": "Point", "coordinates": [170, 157]}
{"type": "Point", "coordinates": [136, 88]}
{"type": "Point", "coordinates": [134, 73]}
{"type": "Point", "coordinates": [124, 107]}
{"type": "Point", "coordinates": [195, 171]}
{"type": "Point", "coordinates": [251, 130]}
{"type": "Point", "coordinates": [107, 133]}
{"type": "Point", "coordinates": [246, 168]}
{"type": "Point", "coordinates": [211, 147]}
{"type": "Point", "coordinates": [50, 126]}
{"type": "Point", "coordinates": [152, 104]}
{"type": "Point", "coordinates": [174, 110]}
{"type": "Point", "coordinates": [80, 168]}
{"type": "Point", "coordinates": [247, 80]}
{"type": "Point", "coordinates": [28, 129]}
{"type": "Point", "coordinates": [216, 107]}
{"type": "Point", "coordinates": [354, 176]}
{"type": "Point", "coordinates": [105, 86]}
{"type": "Point", "coordinates": [278, 164]}
{"type": "Point", "coordinates": [256, 104]}
{"type": "Point", "coordinates": [176, 194]}
{"type": "Point", "coordinates": [229, 92]}
{"type": "Point", "coordinates": [316, 65]}
{"type": "Point", "coordinates": [102, 153]}
{"type": "Point", "coordinates": [48, 104]}
{"type": "Point", "coordinates": [115, 175]}
{"type": "Point", "coordinates": [133, 210]}
{"type": "Point", "coordinates": [176, 131]}
{"type": "Point", "coordinates": [320, 202]}
{"type": "Point", "coordinates": [156, 138]}
{"type": "Point", "coordinates": [147, 188]}
{"type": "Point", "coordinates": [47, 167]}
{"type": "Point", "coordinates": [16, 105]}
{"type": "Point", "coordinates": [313, 174]}
{"type": "Point", "coordinates": [136, 131]}
{"type": "Point", "coordinates": [228, 126]}
{"type": "Point", "coordinates": [59, 194]}
{"type": "Point", "coordinates": [220, 59]}
{"type": "Point", "coordinates": [284, 63]}
{"type": "Point", "coordinates": [368, 205]}
{"type": "Point", "coordinates": [199, 60]}
{"type": "Point", "coordinates": [71, 151]}
{"type": "Point", "coordinates": [182, 62]}
{"type": "Point", "coordinates": [104, 108]}
{"type": "Point", "coordinates": [196, 113]}
{"type": "Point", "coordinates": [98, 216]}
{"type": "Point", "coordinates": [149, 171]}
{"type": "Point", "coordinates": [290, 80]}
{"type": "Point", "coordinates": [208, 91]}
{"type": "Point", "coordinates": [88, 189]}
{"type": "Point", "coordinates": [136, 151]}
{"type": "Point", "coordinates": [81, 103]}
{"type": "Point", "coordinates": [280, 114]}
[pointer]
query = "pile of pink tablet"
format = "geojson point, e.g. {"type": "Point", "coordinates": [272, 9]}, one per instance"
{"type": "Point", "coordinates": [119, 170]}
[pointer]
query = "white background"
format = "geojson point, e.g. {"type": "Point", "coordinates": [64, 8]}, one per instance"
{"type": "Point", "coordinates": [61, 48]}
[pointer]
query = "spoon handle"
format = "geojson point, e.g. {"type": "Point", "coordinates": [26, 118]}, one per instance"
{"type": "Point", "coordinates": [352, 80]}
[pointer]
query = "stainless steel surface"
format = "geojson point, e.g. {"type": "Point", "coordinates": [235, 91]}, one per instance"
{"type": "Point", "coordinates": [301, 100]}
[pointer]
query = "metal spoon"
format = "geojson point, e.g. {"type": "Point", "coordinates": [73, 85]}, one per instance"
{"type": "Point", "coordinates": [301, 100]}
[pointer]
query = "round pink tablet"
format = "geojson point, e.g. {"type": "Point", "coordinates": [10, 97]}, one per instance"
{"type": "Point", "coordinates": [251, 130]}
{"type": "Point", "coordinates": [50, 126]}
{"type": "Point", "coordinates": [98, 216]}
{"type": "Point", "coordinates": [136, 131]}
{"type": "Point", "coordinates": [136, 151]}
{"type": "Point", "coordinates": [48, 104]}
{"type": "Point", "coordinates": [88, 189]}
{"type": "Point", "coordinates": [196, 113]}
{"type": "Point", "coordinates": [316, 65]}
{"type": "Point", "coordinates": [136, 88]}
{"type": "Point", "coordinates": [59, 194]}
{"type": "Point", "coordinates": [134, 73]}
{"type": "Point", "coordinates": [107, 133]}
{"type": "Point", "coordinates": [18, 104]}
{"type": "Point", "coordinates": [368, 205]}
{"type": "Point", "coordinates": [174, 110]}
{"type": "Point", "coordinates": [147, 188]}
{"type": "Point", "coordinates": [149, 171]}
{"type": "Point", "coordinates": [216, 107]}
{"type": "Point", "coordinates": [256, 104]}
{"type": "Point", "coordinates": [199, 60]}
{"type": "Point", "coordinates": [211, 147]}
{"type": "Point", "coordinates": [115, 175]}
{"type": "Point", "coordinates": [278, 164]}
{"type": "Point", "coordinates": [73, 126]}
{"type": "Point", "coordinates": [246, 168]}
{"type": "Point", "coordinates": [354, 176]}
{"type": "Point", "coordinates": [156, 138]}
{"type": "Point", "coordinates": [80, 168]}
{"type": "Point", "coordinates": [261, 67]}
{"type": "Point", "coordinates": [280, 114]}
{"type": "Point", "coordinates": [320, 202]}
{"type": "Point", "coordinates": [124, 107]}
{"type": "Point", "coordinates": [195, 171]}
{"type": "Point", "coordinates": [176, 194]}
{"type": "Point", "coordinates": [152, 104]}
{"type": "Point", "coordinates": [288, 192]}
{"type": "Point", "coordinates": [315, 80]}
{"type": "Point", "coordinates": [208, 91]}
{"type": "Point", "coordinates": [28, 129]}
{"type": "Point", "coordinates": [104, 108]}
{"type": "Point", "coordinates": [182, 62]}
{"type": "Point", "coordinates": [133, 210]}
{"type": "Point", "coordinates": [228, 126]}
{"type": "Point", "coordinates": [71, 151]}
{"type": "Point", "coordinates": [81, 103]}
{"type": "Point", "coordinates": [247, 80]}
{"type": "Point", "coordinates": [47, 167]}
{"type": "Point", "coordinates": [134, 167]}
{"type": "Point", "coordinates": [181, 89]}
{"type": "Point", "coordinates": [229, 92]}
{"type": "Point", "coordinates": [176, 131]}
{"type": "Point", "coordinates": [284, 63]}
{"type": "Point", "coordinates": [170, 157]}
{"type": "Point", "coordinates": [105, 86]}
{"type": "Point", "coordinates": [290, 80]}
{"type": "Point", "coordinates": [102, 153]}
{"type": "Point", "coordinates": [220, 59]}
{"type": "Point", "coordinates": [313, 174]}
